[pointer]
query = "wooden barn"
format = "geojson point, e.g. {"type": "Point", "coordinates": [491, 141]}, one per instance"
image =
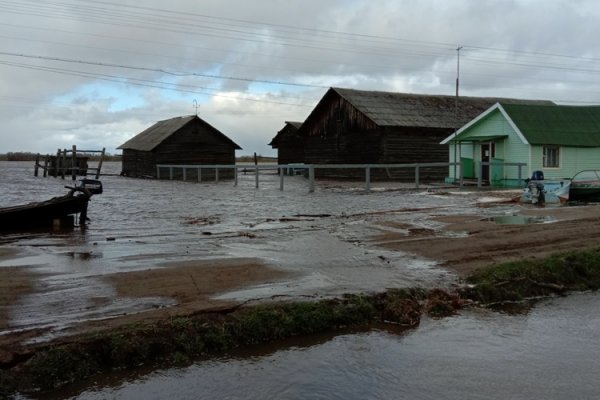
{"type": "Point", "coordinates": [357, 127]}
{"type": "Point", "coordinates": [184, 140]}
{"type": "Point", "coordinates": [289, 145]}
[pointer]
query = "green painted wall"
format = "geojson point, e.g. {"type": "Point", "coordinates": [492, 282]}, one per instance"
{"type": "Point", "coordinates": [572, 160]}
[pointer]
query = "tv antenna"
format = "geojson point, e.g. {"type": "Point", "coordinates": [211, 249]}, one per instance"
{"type": "Point", "coordinates": [196, 106]}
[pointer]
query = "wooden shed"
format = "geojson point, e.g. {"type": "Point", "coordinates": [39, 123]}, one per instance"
{"type": "Point", "coordinates": [356, 127]}
{"type": "Point", "coordinates": [186, 140]}
{"type": "Point", "coordinates": [289, 145]}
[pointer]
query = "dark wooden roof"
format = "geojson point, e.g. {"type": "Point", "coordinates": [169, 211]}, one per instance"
{"type": "Point", "coordinates": [160, 131]}
{"type": "Point", "coordinates": [413, 110]}
{"type": "Point", "coordinates": [295, 125]}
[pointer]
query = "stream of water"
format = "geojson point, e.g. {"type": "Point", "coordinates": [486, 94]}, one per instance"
{"type": "Point", "coordinates": [551, 353]}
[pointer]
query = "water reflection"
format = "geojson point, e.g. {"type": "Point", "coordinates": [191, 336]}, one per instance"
{"type": "Point", "coordinates": [551, 353]}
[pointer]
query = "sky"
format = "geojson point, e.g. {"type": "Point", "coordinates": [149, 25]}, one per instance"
{"type": "Point", "coordinates": [96, 73]}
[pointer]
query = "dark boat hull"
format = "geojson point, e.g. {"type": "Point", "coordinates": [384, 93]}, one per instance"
{"type": "Point", "coordinates": [43, 214]}
{"type": "Point", "coordinates": [585, 186]}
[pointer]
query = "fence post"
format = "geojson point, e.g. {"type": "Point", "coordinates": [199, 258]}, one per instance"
{"type": "Point", "coordinates": [311, 178]}
{"type": "Point", "coordinates": [157, 171]}
{"type": "Point", "coordinates": [235, 176]}
{"type": "Point", "coordinates": [171, 173]}
{"type": "Point", "coordinates": [256, 178]}
{"type": "Point", "coordinates": [184, 173]}
{"type": "Point", "coordinates": [37, 164]}
{"type": "Point", "coordinates": [100, 163]}
{"type": "Point", "coordinates": [417, 176]}
{"type": "Point", "coordinates": [368, 178]}
{"type": "Point", "coordinates": [479, 175]}
{"type": "Point", "coordinates": [74, 164]}
{"type": "Point", "coordinates": [460, 171]}
{"type": "Point", "coordinates": [519, 173]}
{"type": "Point", "coordinates": [217, 175]}
{"type": "Point", "coordinates": [63, 159]}
{"type": "Point", "coordinates": [281, 179]}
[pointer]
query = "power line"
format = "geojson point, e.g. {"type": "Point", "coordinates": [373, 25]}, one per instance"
{"type": "Point", "coordinates": [160, 70]}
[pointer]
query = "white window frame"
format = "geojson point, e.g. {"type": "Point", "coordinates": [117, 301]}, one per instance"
{"type": "Point", "coordinates": [548, 160]}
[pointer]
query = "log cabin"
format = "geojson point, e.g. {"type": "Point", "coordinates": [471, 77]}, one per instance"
{"type": "Point", "coordinates": [350, 126]}
{"type": "Point", "coordinates": [289, 145]}
{"type": "Point", "coordinates": [186, 140]}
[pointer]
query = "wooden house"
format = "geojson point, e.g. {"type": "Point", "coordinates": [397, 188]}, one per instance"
{"type": "Point", "coordinates": [289, 145]}
{"type": "Point", "coordinates": [555, 139]}
{"type": "Point", "coordinates": [356, 127]}
{"type": "Point", "coordinates": [184, 140]}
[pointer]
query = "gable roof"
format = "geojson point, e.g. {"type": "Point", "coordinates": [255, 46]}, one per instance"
{"type": "Point", "coordinates": [420, 110]}
{"type": "Point", "coordinates": [577, 126]}
{"type": "Point", "coordinates": [289, 126]}
{"type": "Point", "coordinates": [560, 125]}
{"type": "Point", "coordinates": [160, 131]}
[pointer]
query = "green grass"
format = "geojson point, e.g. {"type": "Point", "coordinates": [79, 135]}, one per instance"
{"type": "Point", "coordinates": [557, 274]}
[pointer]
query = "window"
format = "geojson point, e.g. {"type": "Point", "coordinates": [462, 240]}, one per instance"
{"type": "Point", "coordinates": [551, 156]}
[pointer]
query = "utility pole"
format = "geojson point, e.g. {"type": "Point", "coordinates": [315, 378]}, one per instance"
{"type": "Point", "coordinates": [456, 120]}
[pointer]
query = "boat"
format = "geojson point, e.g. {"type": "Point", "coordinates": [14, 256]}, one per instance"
{"type": "Point", "coordinates": [56, 211]}
{"type": "Point", "coordinates": [540, 191]}
{"type": "Point", "coordinates": [585, 186]}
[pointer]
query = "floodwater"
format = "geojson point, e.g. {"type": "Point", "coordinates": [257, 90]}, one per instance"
{"type": "Point", "coordinates": [139, 224]}
{"type": "Point", "coordinates": [550, 353]}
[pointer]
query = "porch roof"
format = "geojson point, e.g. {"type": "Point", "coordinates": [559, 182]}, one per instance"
{"type": "Point", "coordinates": [478, 139]}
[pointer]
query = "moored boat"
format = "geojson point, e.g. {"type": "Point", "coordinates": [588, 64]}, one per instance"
{"type": "Point", "coordinates": [585, 186]}
{"type": "Point", "coordinates": [46, 213]}
{"type": "Point", "coordinates": [540, 191]}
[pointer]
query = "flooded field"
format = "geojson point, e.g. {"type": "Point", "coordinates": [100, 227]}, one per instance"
{"type": "Point", "coordinates": [317, 238]}
{"type": "Point", "coordinates": [157, 245]}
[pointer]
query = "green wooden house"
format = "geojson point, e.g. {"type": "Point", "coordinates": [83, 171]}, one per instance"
{"type": "Point", "coordinates": [506, 143]}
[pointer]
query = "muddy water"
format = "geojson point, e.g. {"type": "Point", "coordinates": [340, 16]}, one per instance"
{"type": "Point", "coordinates": [551, 353]}
{"type": "Point", "coordinates": [139, 224]}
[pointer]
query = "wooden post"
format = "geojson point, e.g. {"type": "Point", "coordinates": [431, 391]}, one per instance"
{"type": "Point", "coordinates": [417, 176]}
{"type": "Point", "coordinates": [55, 171]}
{"type": "Point", "coordinates": [37, 164]}
{"type": "Point", "coordinates": [368, 178]}
{"type": "Point", "coordinates": [74, 164]}
{"type": "Point", "coordinates": [281, 179]}
{"type": "Point", "coordinates": [63, 159]}
{"type": "Point", "coordinates": [100, 164]}
{"type": "Point", "coordinates": [171, 173]}
{"type": "Point", "coordinates": [460, 171]}
{"type": "Point", "coordinates": [256, 178]}
{"type": "Point", "coordinates": [235, 176]}
{"type": "Point", "coordinates": [184, 174]}
{"type": "Point", "coordinates": [311, 178]}
{"type": "Point", "coordinates": [46, 165]}
{"type": "Point", "coordinates": [217, 175]}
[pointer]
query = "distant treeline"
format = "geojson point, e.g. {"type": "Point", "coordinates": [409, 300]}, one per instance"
{"type": "Point", "coordinates": [258, 157]}
{"type": "Point", "coordinates": [26, 156]}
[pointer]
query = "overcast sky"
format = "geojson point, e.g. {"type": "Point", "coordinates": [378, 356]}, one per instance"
{"type": "Point", "coordinates": [96, 73]}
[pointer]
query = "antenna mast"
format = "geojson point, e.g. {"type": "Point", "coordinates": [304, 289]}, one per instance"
{"type": "Point", "coordinates": [456, 122]}
{"type": "Point", "coordinates": [196, 106]}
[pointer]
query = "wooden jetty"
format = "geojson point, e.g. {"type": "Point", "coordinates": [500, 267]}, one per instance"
{"type": "Point", "coordinates": [68, 163]}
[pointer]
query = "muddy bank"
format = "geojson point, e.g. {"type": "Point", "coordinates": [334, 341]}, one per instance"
{"type": "Point", "coordinates": [469, 242]}
{"type": "Point", "coordinates": [15, 282]}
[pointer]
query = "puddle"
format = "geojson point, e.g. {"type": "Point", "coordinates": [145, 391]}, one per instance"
{"type": "Point", "coordinates": [519, 220]}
